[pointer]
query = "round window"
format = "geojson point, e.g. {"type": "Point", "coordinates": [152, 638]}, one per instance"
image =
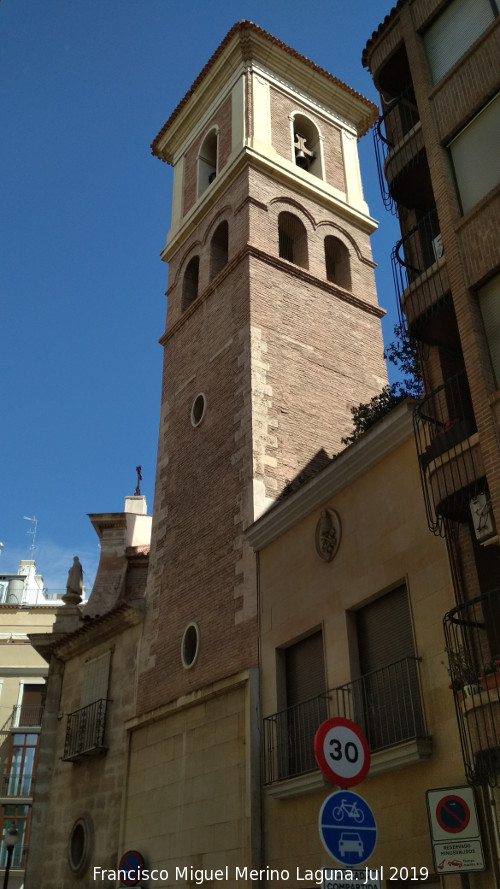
{"type": "Point", "coordinates": [80, 845]}
{"type": "Point", "coordinates": [190, 645]}
{"type": "Point", "coordinates": [198, 409]}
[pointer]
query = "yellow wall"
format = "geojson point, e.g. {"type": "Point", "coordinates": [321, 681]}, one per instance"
{"type": "Point", "coordinates": [188, 798]}
{"type": "Point", "coordinates": [19, 662]}
{"type": "Point", "coordinates": [385, 541]}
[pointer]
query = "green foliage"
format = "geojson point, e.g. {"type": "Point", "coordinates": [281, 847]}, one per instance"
{"type": "Point", "coordinates": [402, 352]}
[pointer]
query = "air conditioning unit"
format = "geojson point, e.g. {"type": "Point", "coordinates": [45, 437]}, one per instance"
{"type": "Point", "coordinates": [437, 246]}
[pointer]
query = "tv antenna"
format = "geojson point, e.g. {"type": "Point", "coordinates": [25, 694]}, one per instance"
{"type": "Point", "coordinates": [32, 532]}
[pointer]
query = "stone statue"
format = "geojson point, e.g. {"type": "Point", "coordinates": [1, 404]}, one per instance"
{"type": "Point", "coordinates": [74, 585]}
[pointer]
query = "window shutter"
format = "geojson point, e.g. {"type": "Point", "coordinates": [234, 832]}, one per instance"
{"type": "Point", "coordinates": [385, 631]}
{"type": "Point", "coordinates": [452, 32]}
{"type": "Point", "coordinates": [489, 303]}
{"type": "Point", "coordinates": [95, 679]}
{"type": "Point", "coordinates": [475, 156]}
{"type": "Point", "coordinates": [387, 696]}
{"type": "Point", "coordinates": [305, 669]}
{"type": "Point", "coordinates": [33, 695]}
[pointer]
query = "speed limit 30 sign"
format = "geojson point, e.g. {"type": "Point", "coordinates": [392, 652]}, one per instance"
{"type": "Point", "coordinates": [342, 752]}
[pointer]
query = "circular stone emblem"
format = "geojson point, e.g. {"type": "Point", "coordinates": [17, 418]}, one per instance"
{"type": "Point", "coordinates": [328, 532]}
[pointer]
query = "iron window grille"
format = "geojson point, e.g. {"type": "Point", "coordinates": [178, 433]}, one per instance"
{"type": "Point", "coordinates": [85, 731]}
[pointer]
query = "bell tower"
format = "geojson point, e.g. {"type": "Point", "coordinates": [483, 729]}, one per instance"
{"type": "Point", "coordinates": [272, 334]}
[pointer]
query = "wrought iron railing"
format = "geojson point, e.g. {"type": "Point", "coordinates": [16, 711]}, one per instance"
{"type": "Point", "coordinates": [450, 463]}
{"type": "Point", "coordinates": [85, 731]}
{"type": "Point", "coordinates": [386, 704]}
{"type": "Point", "coordinates": [400, 117]}
{"type": "Point", "coordinates": [419, 271]}
{"type": "Point", "coordinates": [472, 632]}
{"type": "Point", "coordinates": [24, 715]}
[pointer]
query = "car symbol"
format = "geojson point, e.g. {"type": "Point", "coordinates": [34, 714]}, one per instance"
{"type": "Point", "coordinates": [350, 842]}
{"type": "Point", "coordinates": [455, 864]}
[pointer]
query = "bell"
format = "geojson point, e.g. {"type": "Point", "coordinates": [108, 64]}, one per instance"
{"type": "Point", "coordinates": [301, 160]}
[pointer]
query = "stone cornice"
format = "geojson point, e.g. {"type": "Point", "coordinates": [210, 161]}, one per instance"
{"type": "Point", "coordinates": [276, 262]}
{"type": "Point", "coordinates": [90, 633]}
{"type": "Point", "coordinates": [100, 521]}
{"type": "Point", "coordinates": [192, 699]}
{"type": "Point", "coordinates": [373, 446]}
{"type": "Point", "coordinates": [282, 171]}
{"type": "Point", "coordinates": [34, 672]}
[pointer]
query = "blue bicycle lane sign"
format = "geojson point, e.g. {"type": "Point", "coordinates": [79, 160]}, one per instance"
{"type": "Point", "coordinates": [347, 827]}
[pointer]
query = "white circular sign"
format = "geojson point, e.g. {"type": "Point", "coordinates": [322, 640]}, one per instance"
{"type": "Point", "coordinates": [342, 752]}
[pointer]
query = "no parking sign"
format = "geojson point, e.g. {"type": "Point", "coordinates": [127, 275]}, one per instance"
{"type": "Point", "coordinates": [131, 864]}
{"type": "Point", "coordinates": [456, 840]}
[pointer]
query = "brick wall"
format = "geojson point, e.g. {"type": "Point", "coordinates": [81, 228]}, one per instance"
{"type": "Point", "coordinates": [281, 355]}
{"type": "Point", "coordinates": [478, 233]}
{"type": "Point", "coordinates": [282, 106]}
{"type": "Point", "coordinates": [462, 92]}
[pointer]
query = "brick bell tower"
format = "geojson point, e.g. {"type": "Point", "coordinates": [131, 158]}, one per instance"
{"type": "Point", "coordinates": [272, 334]}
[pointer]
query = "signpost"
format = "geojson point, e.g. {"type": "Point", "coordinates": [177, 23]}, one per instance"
{"type": "Point", "coordinates": [456, 839]}
{"type": "Point", "coordinates": [342, 752]}
{"type": "Point", "coordinates": [347, 827]}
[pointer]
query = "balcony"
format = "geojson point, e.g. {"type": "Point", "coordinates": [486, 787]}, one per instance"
{"type": "Point", "coordinates": [26, 716]}
{"type": "Point", "coordinates": [85, 732]}
{"type": "Point", "coordinates": [472, 632]}
{"type": "Point", "coordinates": [385, 704]}
{"type": "Point", "coordinates": [400, 153]}
{"type": "Point", "coordinates": [451, 466]}
{"type": "Point", "coordinates": [421, 282]}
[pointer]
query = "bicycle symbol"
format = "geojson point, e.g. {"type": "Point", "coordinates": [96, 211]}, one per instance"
{"type": "Point", "coordinates": [349, 809]}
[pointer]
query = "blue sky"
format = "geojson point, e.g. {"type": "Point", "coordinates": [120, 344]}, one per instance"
{"type": "Point", "coordinates": [85, 87]}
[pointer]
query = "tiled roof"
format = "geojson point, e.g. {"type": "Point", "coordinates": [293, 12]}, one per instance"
{"type": "Point", "coordinates": [389, 17]}
{"type": "Point", "coordinates": [241, 27]}
{"type": "Point", "coordinates": [122, 610]}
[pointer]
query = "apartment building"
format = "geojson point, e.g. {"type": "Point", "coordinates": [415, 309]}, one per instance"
{"type": "Point", "coordinates": [25, 608]}
{"type": "Point", "coordinates": [435, 65]}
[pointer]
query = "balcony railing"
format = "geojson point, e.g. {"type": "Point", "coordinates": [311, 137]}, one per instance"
{"type": "Point", "coordinates": [399, 121]}
{"type": "Point", "coordinates": [24, 715]}
{"type": "Point", "coordinates": [420, 277]}
{"type": "Point", "coordinates": [472, 632]}
{"type": "Point", "coordinates": [386, 704]}
{"type": "Point", "coordinates": [85, 731]}
{"type": "Point", "coordinates": [449, 456]}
